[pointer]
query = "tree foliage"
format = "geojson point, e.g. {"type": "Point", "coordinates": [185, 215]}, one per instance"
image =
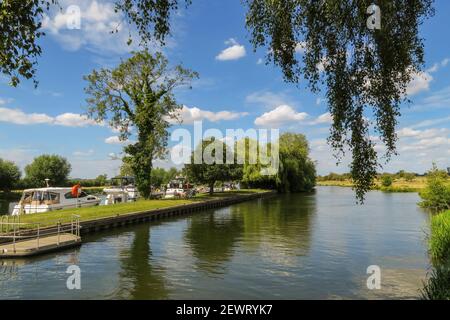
{"type": "Point", "coordinates": [9, 175]}
{"type": "Point", "coordinates": [361, 68]}
{"type": "Point", "coordinates": [211, 171]}
{"type": "Point", "coordinates": [296, 172]}
{"type": "Point", "coordinates": [137, 98]}
{"type": "Point", "coordinates": [20, 29]}
{"type": "Point", "coordinates": [52, 167]}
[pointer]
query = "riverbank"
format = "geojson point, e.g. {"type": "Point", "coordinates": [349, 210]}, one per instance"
{"type": "Point", "coordinates": [101, 217]}
{"type": "Point", "coordinates": [400, 185]}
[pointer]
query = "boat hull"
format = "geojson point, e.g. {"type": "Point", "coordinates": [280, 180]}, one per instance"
{"type": "Point", "coordinates": [31, 209]}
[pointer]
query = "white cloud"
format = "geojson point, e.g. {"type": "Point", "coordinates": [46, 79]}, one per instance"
{"type": "Point", "coordinates": [260, 61]}
{"type": "Point", "coordinates": [189, 115]}
{"type": "Point", "coordinates": [267, 99]}
{"type": "Point", "coordinates": [325, 118]}
{"type": "Point", "coordinates": [74, 120]}
{"type": "Point", "coordinates": [300, 47]}
{"type": "Point", "coordinates": [281, 115]}
{"type": "Point", "coordinates": [98, 20]}
{"type": "Point", "coordinates": [233, 52]}
{"type": "Point", "coordinates": [114, 140]}
{"type": "Point", "coordinates": [83, 153]}
{"type": "Point", "coordinates": [420, 82]}
{"type": "Point", "coordinates": [17, 116]}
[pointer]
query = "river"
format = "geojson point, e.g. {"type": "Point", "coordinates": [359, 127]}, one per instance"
{"type": "Point", "coordinates": [307, 246]}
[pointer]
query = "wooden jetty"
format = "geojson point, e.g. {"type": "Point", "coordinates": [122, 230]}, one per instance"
{"type": "Point", "coordinates": [27, 239]}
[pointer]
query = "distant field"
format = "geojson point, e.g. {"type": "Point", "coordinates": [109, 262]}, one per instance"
{"type": "Point", "coordinates": [399, 185]}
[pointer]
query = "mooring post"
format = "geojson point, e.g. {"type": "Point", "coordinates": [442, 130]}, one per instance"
{"type": "Point", "coordinates": [38, 233]}
{"type": "Point", "coordinates": [59, 228]}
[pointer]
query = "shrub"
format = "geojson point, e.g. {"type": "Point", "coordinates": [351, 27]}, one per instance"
{"type": "Point", "coordinates": [386, 181]}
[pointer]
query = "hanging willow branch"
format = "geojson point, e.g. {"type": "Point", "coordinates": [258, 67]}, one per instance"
{"type": "Point", "coordinates": [363, 70]}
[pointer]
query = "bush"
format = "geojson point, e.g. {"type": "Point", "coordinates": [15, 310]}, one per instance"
{"type": "Point", "coordinates": [387, 181]}
{"type": "Point", "coordinates": [436, 195]}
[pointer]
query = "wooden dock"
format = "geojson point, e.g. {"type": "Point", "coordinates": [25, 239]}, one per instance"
{"type": "Point", "coordinates": [39, 245]}
{"type": "Point", "coordinates": [18, 239]}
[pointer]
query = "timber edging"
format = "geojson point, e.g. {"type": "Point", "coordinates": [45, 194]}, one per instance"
{"type": "Point", "coordinates": [91, 226]}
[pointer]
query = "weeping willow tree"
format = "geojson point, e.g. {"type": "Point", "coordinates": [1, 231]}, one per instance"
{"type": "Point", "coordinates": [363, 71]}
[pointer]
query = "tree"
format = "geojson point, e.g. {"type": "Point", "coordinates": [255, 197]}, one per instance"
{"type": "Point", "coordinates": [101, 180]}
{"type": "Point", "coordinates": [9, 175]}
{"type": "Point", "coordinates": [297, 171]}
{"type": "Point", "coordinates": [51, 167]}
{"type": "Point", "coordinates": [360, 68]}
{"type": "Point", "coordinates": [138, 95]}
{"type": "Point", "coordinates": [214, 167]}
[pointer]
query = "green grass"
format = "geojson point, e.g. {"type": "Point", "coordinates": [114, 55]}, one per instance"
{"type": "Point", "coordinates": [437, 286]}
{"type": "Point", "coordinates": [99, 212]}
{"type": "Point", "coordinates": [440, 237]}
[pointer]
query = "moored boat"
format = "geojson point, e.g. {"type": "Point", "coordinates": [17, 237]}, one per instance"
{"type": "Point", "coordinates": [50, 198]}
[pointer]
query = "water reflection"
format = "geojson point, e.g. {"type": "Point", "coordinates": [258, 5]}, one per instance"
{"type": "Point", "coordinates": [139, 279]}
{"type": "Point", "coordinates": [212, 238]}
{"type": "Point", "coordinates": [287, 247]}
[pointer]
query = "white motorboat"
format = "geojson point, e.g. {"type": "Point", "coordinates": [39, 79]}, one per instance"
{"type": "Point", "coordinates": [178, 188]}
{"type": "Point", "coordinates": [50, 199]}
{"type": "Point", "coordinates": [123, 190]}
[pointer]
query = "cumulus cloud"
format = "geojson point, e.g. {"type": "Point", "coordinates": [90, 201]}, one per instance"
{"type": "Point", "coordinates": [420, 82]}
{"type": "Point", "coordinates": [325, 118]}
{"type": "Point", "coordinates": [279, 116]}
{"type": "Point", "coordinates": [267, 99]}
{"type": "Point", "coordinates": [235, 51]}
{"type": "Point", "coordinates": [98, 20]}
{"type": "Point", "coordinates": [17, 116]}
{"type": "Point", "coordinates": [190, 115]}
{"type": "Point", "coordinates": [115, 140]}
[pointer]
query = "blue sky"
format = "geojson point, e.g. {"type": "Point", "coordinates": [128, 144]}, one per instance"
{"type": "Point", "coordinates": [235, 90]}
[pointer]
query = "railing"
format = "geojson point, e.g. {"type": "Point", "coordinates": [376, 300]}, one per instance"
{"type": "Point", "coordinates": [14, 231]}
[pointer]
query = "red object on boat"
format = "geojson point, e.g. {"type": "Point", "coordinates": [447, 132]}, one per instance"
{"type": "Point", "coordinates": [75, 190]}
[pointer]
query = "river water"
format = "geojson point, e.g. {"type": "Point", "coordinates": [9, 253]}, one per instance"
{"type": "Point", "coordinates": [308, 246]}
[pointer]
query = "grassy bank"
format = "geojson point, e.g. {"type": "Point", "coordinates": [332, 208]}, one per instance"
{"type": "Point", "coordinates": [399, 185]}
{"type": "Point", "coordinates": [99, 212]}
{"type": "Point", "coordinates": [437, 286]}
